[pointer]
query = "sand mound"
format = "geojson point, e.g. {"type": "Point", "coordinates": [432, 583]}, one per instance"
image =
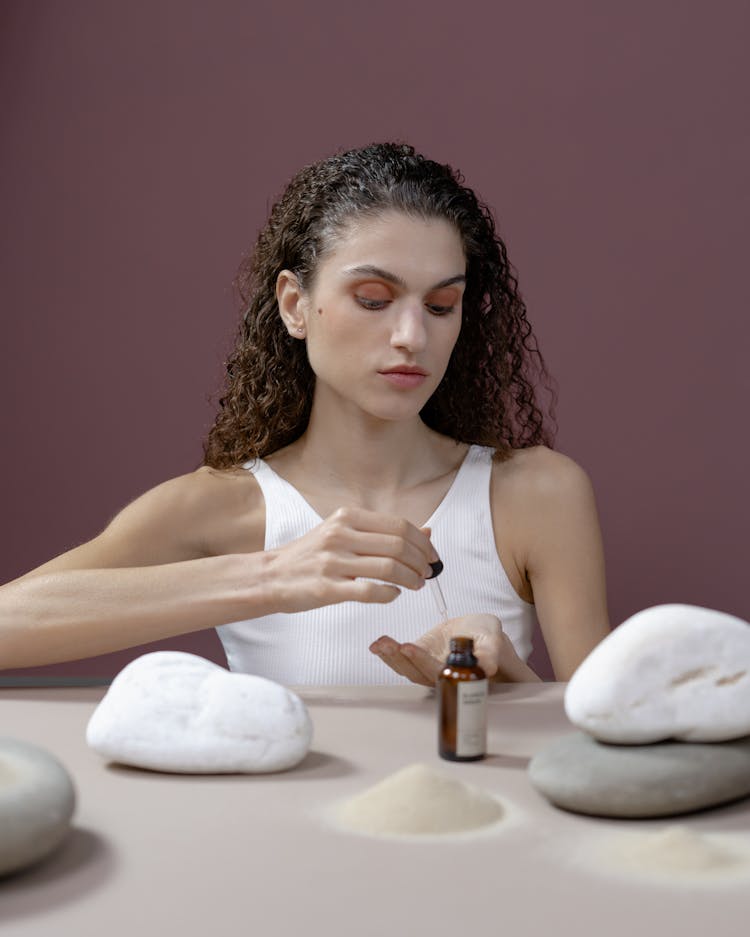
{"type": "Point", "coordinates": [418, 800]}
{"type": "Point", "coordinates": [678, 852]}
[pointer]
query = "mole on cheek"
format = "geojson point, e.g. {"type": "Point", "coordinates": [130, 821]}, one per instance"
{"type": "Point", "coordinates": [320, 312]}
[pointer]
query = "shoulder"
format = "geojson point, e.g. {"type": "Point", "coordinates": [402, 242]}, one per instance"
{"type": "Point", "coordinates": [539, 472]}
{"type": "Point", "coordinates": [540, 493]}
{"type": "Point", "coordinates": [203, 513]}
{"type": "Point", "coordinates": [204, 490]}
{"type": "Point", "coordinates": [203, 507]}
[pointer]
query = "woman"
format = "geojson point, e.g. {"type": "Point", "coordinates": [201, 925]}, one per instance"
{"type": "Point", "coordinates": [379, 415]}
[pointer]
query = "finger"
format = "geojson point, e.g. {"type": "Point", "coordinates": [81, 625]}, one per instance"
{"type": "Point", "coordinates": [488, 660]}
{"type": "Point", "coordinates": [436, 564]}
{"type": "Point", "coordinates": [423, 661]}
{"type": "Point", "coordinates": [374, 556]}
{"type": "Point", "coordinates": [339, 542]}
{"type": "Point", "coordinates": [389, 652]}
{"type": "Point", "coordinates": [418, 556]}
{"type": "Point", "coordinates": [435, 642]}
{"type": "Point", "coordinates": [366, 521]}
{"type": "Point", "coordinates": [364, 590]}
{"type": "Point", "coordinates": [382, 568]}
{"type": "Point", "coordinates": [398, 663]}
{"type": "Point", "coordinates": [334, 562]}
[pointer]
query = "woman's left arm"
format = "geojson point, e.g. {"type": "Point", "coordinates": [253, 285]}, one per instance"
{"type": "Point", "coordinates": [559, 546]}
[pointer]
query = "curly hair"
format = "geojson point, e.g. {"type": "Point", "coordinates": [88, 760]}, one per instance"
{"type": "Point", "coordinates": [487, 394]}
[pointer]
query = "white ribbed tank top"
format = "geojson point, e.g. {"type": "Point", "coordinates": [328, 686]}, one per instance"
{"type": "Point", "coordinates": [329, 645]}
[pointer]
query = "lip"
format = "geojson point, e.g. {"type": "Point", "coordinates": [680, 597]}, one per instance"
{"type": "Point", "coordinates": [405, 377]}
{"type": "Point", "coordinates": [405, 369]}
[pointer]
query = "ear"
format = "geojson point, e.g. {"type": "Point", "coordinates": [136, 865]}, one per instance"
{"type": "Point", "coordinates": [292, 303]}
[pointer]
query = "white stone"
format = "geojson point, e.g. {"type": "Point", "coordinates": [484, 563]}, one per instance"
{"type": "Point", "coordinates": [672, 671]}
{"type": "Point", "coordinates": [172, 711]}
{"type": "Point", "coordinates": [37, 800]}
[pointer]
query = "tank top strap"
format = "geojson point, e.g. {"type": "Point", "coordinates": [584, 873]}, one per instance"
{"type": "Point", "coordinates": [470, 486]}
{"type": "Point", "coordinates": [288, 515]}
{"type": "Point", "coordinates": [476, 470]}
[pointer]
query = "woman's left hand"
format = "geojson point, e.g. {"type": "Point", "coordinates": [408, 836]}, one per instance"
{"type": "Point", "coordinates": [422, 660]}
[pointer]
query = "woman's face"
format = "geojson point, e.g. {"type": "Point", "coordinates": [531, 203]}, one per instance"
{"type": "Point", "coordinates": [384, 313]}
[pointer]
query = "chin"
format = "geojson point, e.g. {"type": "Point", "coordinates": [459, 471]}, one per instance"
{"type": "Point", "coordinates": [391, 408]}
{"type": "Point", "coordinates": [395, 414]}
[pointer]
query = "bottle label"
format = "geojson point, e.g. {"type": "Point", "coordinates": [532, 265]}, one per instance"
{"type": "Point", "coordinates": [471, 723]}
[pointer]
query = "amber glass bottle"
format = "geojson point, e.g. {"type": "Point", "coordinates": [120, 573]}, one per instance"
{"type": "Point", "coordinates": [462, 705]}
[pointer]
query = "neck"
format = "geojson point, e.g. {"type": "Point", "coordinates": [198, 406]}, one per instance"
{"type": "Point", "coordinates": [362, 452]}
{"type": "Point", "coordinates": [368, 453]}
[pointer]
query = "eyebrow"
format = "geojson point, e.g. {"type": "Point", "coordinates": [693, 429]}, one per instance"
{"type": "Point", "coordinates": [371, 271]}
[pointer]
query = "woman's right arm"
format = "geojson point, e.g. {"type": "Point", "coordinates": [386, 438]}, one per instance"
{"type": "Point", "coordinates": [189, 555]}
{"type": "Point", "coordinates": [148, 575]}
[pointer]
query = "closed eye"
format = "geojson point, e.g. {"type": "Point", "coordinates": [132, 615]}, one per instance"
{"type": "Point", "coordinates": [371, 303]}
{"type": "Point", "coordinates": [381, 303]}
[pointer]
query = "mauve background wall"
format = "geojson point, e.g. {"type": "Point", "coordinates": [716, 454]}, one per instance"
{"type": "Point", "coordinates": [142, 144]}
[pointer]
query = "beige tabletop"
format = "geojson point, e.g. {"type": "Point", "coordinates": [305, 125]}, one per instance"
{"type": "Point", "coordinates": [193, 855]}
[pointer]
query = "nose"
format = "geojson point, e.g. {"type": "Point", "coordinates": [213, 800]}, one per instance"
{"type": "Point", "coordinates": [408, 331]}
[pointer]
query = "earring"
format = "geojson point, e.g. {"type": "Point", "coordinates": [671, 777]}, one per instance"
{"type": "Point", "coordinates": [300, 329]}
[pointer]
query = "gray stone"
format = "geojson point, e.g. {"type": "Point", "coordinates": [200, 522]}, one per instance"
{"type": "Point", "coordinates": [664, 779]}
{"type": "Point", "coordinates": [37, 800]}
{"type": "Point", "coordinates": [172, 711]}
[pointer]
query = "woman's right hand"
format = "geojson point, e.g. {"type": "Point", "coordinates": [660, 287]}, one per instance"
{"type": "Point", "coordinates": [337, 561]}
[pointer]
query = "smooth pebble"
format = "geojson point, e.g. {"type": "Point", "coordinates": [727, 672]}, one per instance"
{"type": "Point", "coordinates": [578, 773]}
{"type": "Point", "coordinates": [37, 800]}
{"type": "Point", "coordinates": [672, 671]}
{"type": "Point", "coordinates": [173, 711]}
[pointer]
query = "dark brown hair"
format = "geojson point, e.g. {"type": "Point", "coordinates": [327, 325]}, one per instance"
{"type": "Point", "coordinates": [487, 394]}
